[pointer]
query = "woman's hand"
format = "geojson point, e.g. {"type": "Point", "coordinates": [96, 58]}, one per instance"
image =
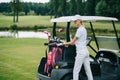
{"type": "Point", "coordinates": [65, 44]}
{"type": "Point", "coordinates": [72, 42]}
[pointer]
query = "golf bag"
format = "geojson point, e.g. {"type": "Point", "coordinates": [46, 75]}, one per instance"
{"type": "Point", "coordinates": [52, 57]}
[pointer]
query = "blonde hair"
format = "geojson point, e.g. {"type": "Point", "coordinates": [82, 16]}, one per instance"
{"type": "Point", "coordinates": [80, 21]}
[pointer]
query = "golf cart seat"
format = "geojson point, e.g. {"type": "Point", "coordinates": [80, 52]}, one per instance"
{"type": "Point", "coordinates": [107, 57]}
{"type": "Point", "coordinates": [109, 65]}
{"type": "Point", "coordinates": [108, 46]}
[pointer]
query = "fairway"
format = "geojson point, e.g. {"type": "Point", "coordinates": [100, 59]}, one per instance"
{"type": "Point", "coordinates": [25, 21]}
{"type": "Point", "coordinates": [19, 58]}
{"type": "Point", "coordinates": [44, 21]}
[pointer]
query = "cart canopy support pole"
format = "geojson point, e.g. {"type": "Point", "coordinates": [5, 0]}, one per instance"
{"type": "Point", "coordinates": [54, 29]}
{"type": "Point", "coordinates": [94, 35]}
{"type": "Point", "coordinates": [68, 32]}
{"type": "Point", "coordinates": [116, 33]}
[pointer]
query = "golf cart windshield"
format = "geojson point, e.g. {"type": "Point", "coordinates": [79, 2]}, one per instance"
{"type": "Point", "coordinates": [107, 43]}
{"type": "Point", "coordinates": [102, 42]}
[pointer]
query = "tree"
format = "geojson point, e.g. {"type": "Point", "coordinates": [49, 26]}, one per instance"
{"type": "Point", "coordinates": [117, 9]}
{"type": "Point", "coordinates": [5, 7]}
{"type": "Point", "coordinates": [26, 8]}
{"type": "Point", "coordinates": [62, 8]}
{"type": "Point", "coordinates": [73, 7]}
{"type": "Point", "coordinates": [16, 7]}
{"type": "Point", "coordinates": [51, 5]}
{"type": "Point", "coordinates": [40, 8]}
{"type": "Point", "coordinates": [54, 4]}
{"type": "Point", "coordinates": [68, 7]}
{"type": "Point", "coordinates": [90, 7]}
{"type": "Point", "coordinates": [101, 8]}
{"type": "Point", "coordinates": [108, 8]}
{"type": "Point", "coordinates": [113, 8]}
{"type": "Point", "coordinates": [80, 7]}
{"type": "Point", "coordinates": [13, 8]}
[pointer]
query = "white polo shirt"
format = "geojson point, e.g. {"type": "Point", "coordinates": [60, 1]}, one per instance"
{"type": "Point", "coordinates": [81, 34]}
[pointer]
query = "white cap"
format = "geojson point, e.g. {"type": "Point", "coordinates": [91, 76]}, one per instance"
{"type": "Point", "coordinates": [76, 17]}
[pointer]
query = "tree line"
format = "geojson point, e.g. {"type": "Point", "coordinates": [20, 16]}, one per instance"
{"type": "Point", "coordinates": [25, 8]}
{"type": "Point", "coordinates": [58, 8]}
{"type": "Point", "coordinates": [109, 8]}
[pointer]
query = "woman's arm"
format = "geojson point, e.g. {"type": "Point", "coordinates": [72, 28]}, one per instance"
{"type": "Point", "coordinates": [72, 42]}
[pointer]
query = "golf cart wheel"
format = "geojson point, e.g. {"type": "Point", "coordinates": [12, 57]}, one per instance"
{"type": "Point", "coordinates": [68, 77]}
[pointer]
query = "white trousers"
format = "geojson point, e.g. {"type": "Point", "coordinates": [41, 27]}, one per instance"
{"type": "Point", "coordinates": [82, 57]}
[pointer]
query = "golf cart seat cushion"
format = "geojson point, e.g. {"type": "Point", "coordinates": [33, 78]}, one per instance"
{"type": "Point", "coordinates": [108, 62]}
{"type": "Point", "coordinates": [108, 43]}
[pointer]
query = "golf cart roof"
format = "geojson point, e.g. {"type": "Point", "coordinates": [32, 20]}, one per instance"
{"type": "Point", "coordinates": [84, 18]}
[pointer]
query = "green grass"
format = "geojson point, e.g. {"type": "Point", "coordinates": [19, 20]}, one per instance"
{"type": "Point", "coordinates": [19, 58]}
{"type": "Point", "coordinates": [44, 21]}
{"type": "Point", "coordinates": [34, 20]}
{"type": "Point", "coordinates": [5, 21]}
{"type": "Point", "coordinates": [25, 21]}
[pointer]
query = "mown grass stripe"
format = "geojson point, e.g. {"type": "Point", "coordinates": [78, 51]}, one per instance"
{"type": "Point", "coordinates": [21, 72]}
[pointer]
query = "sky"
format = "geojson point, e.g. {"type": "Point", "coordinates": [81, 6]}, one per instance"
{"type": "Point", "coordinates": [42, 1]}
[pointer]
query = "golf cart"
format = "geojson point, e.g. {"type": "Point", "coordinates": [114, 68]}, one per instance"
{"type": "Point", "coordinates": [105, 65]}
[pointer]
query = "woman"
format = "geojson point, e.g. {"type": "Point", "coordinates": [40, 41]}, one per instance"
{"type": "Point", "coordinates": [82, 56]}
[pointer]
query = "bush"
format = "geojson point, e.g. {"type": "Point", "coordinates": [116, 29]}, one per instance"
{"type": "Point", "coordinates": [35, 28]}
{"type": "Point", "coordinates": [22, 14]}
{"type": "Point", "coordinates": [4, 28]}
{"type": "Point", "coordinates": [13, 27]}
{"type": "Point", "coordinates": [25, 28]}
{"type": "Point", "coordinates": [11, 13]}
{"type": "Point", "coordinates": [8, 14]}
{"type": "Point", "coordinates": [31, 13]}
